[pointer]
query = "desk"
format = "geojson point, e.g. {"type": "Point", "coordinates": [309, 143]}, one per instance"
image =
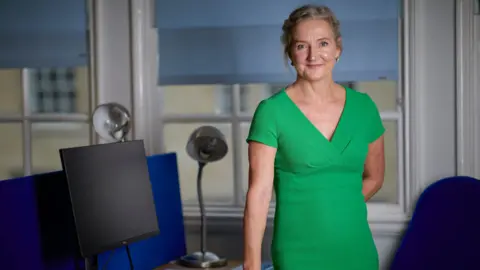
{"type": "Point", "coordinates": [231, 265]}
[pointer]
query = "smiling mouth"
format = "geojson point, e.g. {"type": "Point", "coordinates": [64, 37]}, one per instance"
{"type": "Point", "coordinates": [315, 66]}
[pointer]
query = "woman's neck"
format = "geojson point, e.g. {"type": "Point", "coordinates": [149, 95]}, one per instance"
{"type": "Point", "coordinates": [318, 91]}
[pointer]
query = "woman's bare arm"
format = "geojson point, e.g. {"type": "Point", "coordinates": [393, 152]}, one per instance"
{"type": "Point", "coordinates": [261, 158]}
{"type": "Point", "coordinates": [374, 172]}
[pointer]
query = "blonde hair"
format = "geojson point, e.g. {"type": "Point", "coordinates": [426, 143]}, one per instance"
{"type": "Point", "coordinates": [308, 12]}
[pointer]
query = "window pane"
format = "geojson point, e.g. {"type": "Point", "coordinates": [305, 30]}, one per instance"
{"type": "Point", "coordinates": [197, 99]}
{"type": "Point", "coordinates": [48, 138]}
{"type": "Point", "coordinates": [389, 190]}
{"type": "Point", "coordinates": [251, 95]}
{"type": "Point", "coordinates": [383, 92]}
{"type": "Point", "coordinates": [11, 154]}
{"type": "Point", "coordinates": [82, 89]}
{"type": "Point", "coordinates": [217, 180]}
{"type": "Point", "coordinates": [59, 90]}
{"type": "Point", "coordinates": [10, 91]}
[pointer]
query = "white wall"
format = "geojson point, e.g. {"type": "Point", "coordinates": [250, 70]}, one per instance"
{"type": "Point", "coordinates": [432, 97]}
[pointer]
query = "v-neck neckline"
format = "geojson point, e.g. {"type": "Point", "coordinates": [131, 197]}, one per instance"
{"type": "Point", "coordinates": [339, 122]}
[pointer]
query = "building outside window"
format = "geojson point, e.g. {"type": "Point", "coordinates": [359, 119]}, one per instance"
{"type": "Point", "coordinates": [53, 90]}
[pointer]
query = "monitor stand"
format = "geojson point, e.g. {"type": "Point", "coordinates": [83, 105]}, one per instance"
{"type": "Point", "coordinates": [91, 263]}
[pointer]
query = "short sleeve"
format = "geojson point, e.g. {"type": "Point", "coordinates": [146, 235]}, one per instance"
{"type": "Point", "coordinates": [263, 128]}
{"type": "Point", "coordinates": [375, 123]}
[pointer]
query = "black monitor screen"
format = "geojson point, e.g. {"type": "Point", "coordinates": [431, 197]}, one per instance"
{"type": "Point", "coordinates": [111, 195]}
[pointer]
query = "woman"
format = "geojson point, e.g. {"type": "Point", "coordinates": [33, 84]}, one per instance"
{"type": "Point", "coordinates": [320, 145]}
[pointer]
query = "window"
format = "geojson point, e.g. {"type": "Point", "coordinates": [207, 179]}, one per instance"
{"type": "Point", "coordinates": [272, 89]}
{"type": "Point", "coordinates": [187, 107]}
{"type": "Point", "coordinates": [385, 94]}
{"type": "Point", "coordinates": [225, 97]}
{"type": "Point", "coordinates": [53, 90]}
{"type": "Point", "coordinates": [57, 101]}
{"type": "Point", "coordinates": [57, 92]}
{"type": "Point", "coordinates": [249, 67]}
{"type": "Point", "coordinates": [225, 182]}
{"type": "Point", "coordinates": [388, 99]}
{"type": "Point", "coordinates": [44, 85]}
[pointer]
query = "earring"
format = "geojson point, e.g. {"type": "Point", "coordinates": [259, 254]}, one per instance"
{"type": "Point", "coordinates": [337, 59]}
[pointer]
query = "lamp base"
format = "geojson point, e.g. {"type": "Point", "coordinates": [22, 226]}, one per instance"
{"type": "Point", "coordinates": [202, 260]}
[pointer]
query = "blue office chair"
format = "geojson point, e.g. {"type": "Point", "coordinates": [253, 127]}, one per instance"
{"type": "Point", "coordinates": [444, 232]}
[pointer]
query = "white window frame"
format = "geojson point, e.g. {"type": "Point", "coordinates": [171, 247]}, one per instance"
{"type": "Point", "coordinates": [468, 98]}
{"type": "Point", "coordinates": [236, 118]}
{"type": "Point", "coordinates": [223, 98]}
{"type": "Point", "coordinates": [380, 213]}
{"type": "Point", "coordinates": [41, 123]}
{"type": "Point", "coordinates": [49, 122]}
{"type": "Point", "coordinates": [30, 74]}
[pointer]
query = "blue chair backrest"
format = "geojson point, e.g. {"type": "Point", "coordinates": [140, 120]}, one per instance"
{"type": "Point", "coordinates": [37, 227]}
{"type": "Point", "coordinates": [444, 232]}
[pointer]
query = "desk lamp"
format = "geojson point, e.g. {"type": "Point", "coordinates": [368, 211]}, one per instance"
{"type": "Point", "coordinates": [206, 144]}
{"type": "Point", "coordinates": [112, 121]}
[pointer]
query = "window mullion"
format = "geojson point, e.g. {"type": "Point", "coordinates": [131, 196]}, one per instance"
{"type": "Point", "coordinates": [27, 146]}
{"type": "Point", "coordinates": [400, 104]}
{"type": "Point", "coordinates": [401, 180]}
{"type": "Point", "coordinates": [236, 146]}
{"type": "Point", "coordinates": [92, 68]}
{"type": "Point", "coordinates": [407, 72]}
{"type": "Point", "coordinates": [26, 123]}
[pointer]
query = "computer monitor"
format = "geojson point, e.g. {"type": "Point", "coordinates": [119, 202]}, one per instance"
{"type": "Point", "coordinates": [111, 195]}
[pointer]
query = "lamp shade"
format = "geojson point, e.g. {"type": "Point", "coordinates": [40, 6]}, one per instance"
{"type": "Point", "coordinates": [207, 144]}
{"type": "Point", "coordinates": [112, 121]}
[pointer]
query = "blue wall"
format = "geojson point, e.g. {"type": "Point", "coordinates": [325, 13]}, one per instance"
{"type": "Point", "coordinates": [43, 33]}
{"type": "Point", "coordinates": [229, 41]}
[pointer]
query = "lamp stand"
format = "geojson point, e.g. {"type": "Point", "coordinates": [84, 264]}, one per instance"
{"type": "Point", "coordinates": [202, 258]}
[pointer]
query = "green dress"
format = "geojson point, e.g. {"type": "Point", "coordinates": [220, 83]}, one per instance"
{"type": "Point", "coordinates": [320, 216]}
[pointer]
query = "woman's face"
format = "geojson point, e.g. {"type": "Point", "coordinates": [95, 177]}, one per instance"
{"type": "Point", "coordinates": [314, 49]}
